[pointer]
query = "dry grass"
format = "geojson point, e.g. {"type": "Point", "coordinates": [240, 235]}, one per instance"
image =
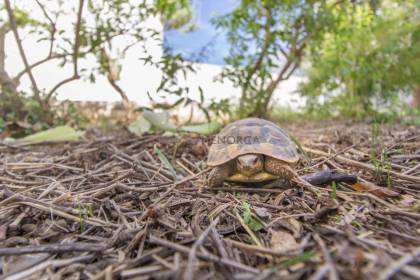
{"type": "Point", "coordinates": [112, 206]}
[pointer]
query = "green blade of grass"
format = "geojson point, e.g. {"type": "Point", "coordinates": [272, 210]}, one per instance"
{"type": "Point", "coordinates": [302, 258]}
{"type": "Point", "coordinates": [334, 190]}
{"type": "Point", "coordinates": [165, 162]}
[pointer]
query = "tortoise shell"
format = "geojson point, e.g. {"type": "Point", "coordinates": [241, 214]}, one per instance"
{"type": "Point", "coordinates": [251, 136]}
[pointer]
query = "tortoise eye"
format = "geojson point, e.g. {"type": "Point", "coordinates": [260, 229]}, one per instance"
{"type": "Point", "coordinates": [255, 160]}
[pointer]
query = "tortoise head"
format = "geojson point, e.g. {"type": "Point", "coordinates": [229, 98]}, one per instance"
{"type": "Point", "coordinates": [249, 164]}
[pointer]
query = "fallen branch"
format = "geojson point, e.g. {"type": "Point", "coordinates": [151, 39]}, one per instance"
{"type": "Point", "coordinates": [363, 165]}
{"type": "Point", "coordinates": [326, 177]}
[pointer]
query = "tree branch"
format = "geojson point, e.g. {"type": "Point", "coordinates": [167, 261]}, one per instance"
{"type": "Point", "coordinates": [53, 27]}
{"type": "Point", "coordinates": [264, 50]}
{"type": "Point", "coordinates": [13, 26]}
{"type": "Point", "coordinates": [75, 53]}
{"type": "Point", "coordinates": [113, 77]}
{"type": "Point", "coordinates": [36, 64]}
{"type": "Point", "coordinates": [291, 65]}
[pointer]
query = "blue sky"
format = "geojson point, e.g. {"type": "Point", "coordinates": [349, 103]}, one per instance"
{"type": "Point", "coordinates": [189, 44]}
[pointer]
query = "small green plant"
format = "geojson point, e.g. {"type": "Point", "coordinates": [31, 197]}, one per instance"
{"type": "Point", "coordinates": [379, 156]}
{"type": "Point", "coordinates": [249, 219]}
{"type": "Point", "coordinates": [334, 191]}
{"type": "Point", "coordinates": [302, 258]}
{"type": "Point", "coordinates": [85, 211]}
{"type": "Point", "coordinates": [165, 161]}
{"type": "Point", "coordinates": [355, 223]}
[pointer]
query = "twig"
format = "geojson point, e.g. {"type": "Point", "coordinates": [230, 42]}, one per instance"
{"type": "Point", "coordinates": [327, 257]}
{"type": "Point", "coordinates": [49, 263]}
{"type": "Point", "coordinates": [140, 271]}
{"type": "Point", "coordinates": [263, 250]}
{"type": "Point", "coordinates": [208, 256]}
{"type": "Point", "coordinates": [363, 165]}
{"type": "Point", "coordinates": [189, 271]}
{"type": "Point", "coordinates": [399, 264]}
{"type": "Point", "coordinates": [75, 55]}
{"type": "Point", "coordinates": [54, 248]}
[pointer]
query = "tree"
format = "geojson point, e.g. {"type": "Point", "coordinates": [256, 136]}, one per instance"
{"type": "Point", "coordinates": [368, 61]}
{"type": "Point", "coordinates": [267, 40]}
{"type": "Point", "coordinates": [100, 37]}
{"type": "Point", "coordinates": [18, 20]}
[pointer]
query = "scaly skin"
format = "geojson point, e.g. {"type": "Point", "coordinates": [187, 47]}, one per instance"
{"type": "Point", "coordinates": [218, 175]}
{"type": "Point", "coordinates": [279, 168]}
{"type": "Point", "coordinates": [273, 169]}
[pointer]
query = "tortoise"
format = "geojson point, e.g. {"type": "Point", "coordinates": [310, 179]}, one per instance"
{"type": "Point", "coordinates": [251, 150]}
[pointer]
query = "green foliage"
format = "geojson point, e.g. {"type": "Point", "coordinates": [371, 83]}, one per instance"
{"type": "Point", "coordinates": [176, 14]}
{"type": "Point", "coordinates": [59, 133]}
{"type": "Point", "coordinates": [164, 160]}
{"type": "Point", "coordinates": [333, 190]}
{"type": "Point", "coordinates": [254, 224]}
{"type": "Point", "coordinates": [267, 41]}
{"type": "Point", "coordinates": [367, 62]}
{"type": "Point", "coordinates": [23, 115]}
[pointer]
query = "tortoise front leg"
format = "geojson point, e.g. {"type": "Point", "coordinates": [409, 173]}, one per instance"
{"type": "Point", "coordinates": [279, 168]}
{"type": "Point", "coordinates": [218, 175]}
{"type": "Point", "coordinates": [285, 171]}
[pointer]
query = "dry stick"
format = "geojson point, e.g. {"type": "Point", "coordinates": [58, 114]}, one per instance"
{"type": "Point", "coordinates": [168, 192]}
{"type": "Point", "coordinates": [19, 182]}
{"type": "Point", "coordinates": [140, 271]}
{"type": "Point", "coordinates": [320, 272]}
{"type": "Point", "coordinates": [226, 200]}
{"type": "Point", "coordinates": [327, 257]}
{"type": "Point", "coordinates": [54, 248]}
{"type": "Point", "coordinates": [369, 242]}
{"type": "Point", "coordinates": [208, 256]}
{"type": "Point", "coordinates": [362, 165]}
{"type": "Point", "coordinates": [49, 263]}
{"type": "Point", "coordinates": [399, 264]}
{"type": "Point", "coordinates": [163, 262]}
{"type": "Point", "coordinates": [403, 157]}
{"type": "Point", "coordinates": [334, 155]}
{"type": "Point", "coordinates": [50, 210]}
{"type": "Point", "coordinates": [189, 271]}
{"type": "Point", "coordinates": [35, 165]}
{"type": "Point", "coordinates": [411, 170]}
{"type": "Point", "coordinates": [407, 237]}
{"type": "Point", "coordinates": [244, 189]}
{"type": "Point", "coordinates": [263, 250]}
{"type": "Point", "coordinates": [217, 240]}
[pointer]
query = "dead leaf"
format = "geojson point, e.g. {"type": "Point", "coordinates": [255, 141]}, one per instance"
{"type": "Point", "coordinates": [295, 226]}
{"type": "Point", "coordinates": [290, 224]}
{"type": "Point", "coordinates": [282, 240]}
{"type": "Point", "coordinates": [374, 189]}
{"type": "Point", "coordinates": [262, 212]}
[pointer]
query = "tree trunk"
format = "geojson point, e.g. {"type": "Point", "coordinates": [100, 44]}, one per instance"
{"type": "Point", "coordinates": [416, 97]}
{"type": "Point", "coordinates": [6, 82]}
